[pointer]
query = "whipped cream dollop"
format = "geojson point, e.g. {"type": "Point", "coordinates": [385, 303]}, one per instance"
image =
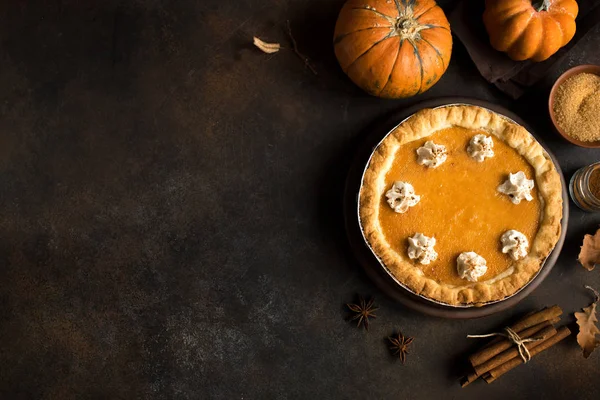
{"type": "Point", "coordinates": [517, 187]}
{"type": "Point", "coordinates": [471, 266]}
{"type": "Point", "coordinates": [515, 244]}
{"type": "Point", "coordinates": [480, 147]}
{"type": "Point", "coordinates": [431, 155]}
{"type": "Point", "coordinates": [402, 196]}
{"type": "Point", "coordinates": [420, 248]}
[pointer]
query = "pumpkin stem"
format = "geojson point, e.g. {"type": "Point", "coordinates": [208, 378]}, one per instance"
{"type": "Point", "coordinates": [407, 27]}
{"type": "Point", "coordinates": [541, 5]}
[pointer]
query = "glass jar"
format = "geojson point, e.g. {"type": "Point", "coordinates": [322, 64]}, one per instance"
{"type": "Point", "coordinates": [580, 188]}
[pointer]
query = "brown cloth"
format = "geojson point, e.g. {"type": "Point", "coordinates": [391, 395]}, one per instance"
{"type": "Point", "coordinates": [511, 77]}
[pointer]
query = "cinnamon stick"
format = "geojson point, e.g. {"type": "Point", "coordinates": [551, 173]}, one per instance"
{"type": "Point", "coordinates": [467, 380]}
{"type": "Point", "coordinates": [503, 352]}
{"type": "Point", "coordinates": [531, 319]}
{"type": "Point", "coordinates": [513, 352]}
{"type": "Point", "coordinates": [541, 316]}
{"type": "Point", "coordinates": [493, 348]}
{"type": "Point", "coordinates": [497, 372]}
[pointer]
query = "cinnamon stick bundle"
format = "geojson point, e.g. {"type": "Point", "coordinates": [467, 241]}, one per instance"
{"type": "Point", "coordinates": [513, 352]}
{"type": "Point", "coordinates": [490, 353]}
{"type": "Point", "coordinates": [546, 314]}
{"type": "Point", "coordinates": [497, 372]}
{"type": "Point", "coordinates": [501, 355]}
{"type": "Point", "coordinates": [503, 344]}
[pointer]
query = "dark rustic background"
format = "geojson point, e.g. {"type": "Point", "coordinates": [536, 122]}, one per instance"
{"type": "Point", "coordinates": [170, 213]}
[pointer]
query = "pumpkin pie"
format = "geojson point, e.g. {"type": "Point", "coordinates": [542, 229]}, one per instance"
{"type": "Point", "coordinates": [461, 205]}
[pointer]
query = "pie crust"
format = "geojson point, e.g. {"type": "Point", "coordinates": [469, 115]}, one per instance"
{"type": "Point", "coordinates": [547, 180]}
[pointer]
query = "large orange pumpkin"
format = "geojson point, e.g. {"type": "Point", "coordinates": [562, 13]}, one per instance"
{"type": "Point", "coordinates": [527, 29]}
{"type": "Point", "coordinates": [393, 48]}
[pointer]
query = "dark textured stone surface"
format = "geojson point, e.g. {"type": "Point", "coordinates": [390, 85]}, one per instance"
{"type": "Point", "coordinates": [170, 213]}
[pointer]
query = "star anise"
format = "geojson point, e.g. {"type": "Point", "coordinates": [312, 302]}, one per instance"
{"type": "Point", "coordinates": [399, 345]}
{"type": "Point", "coordinates": [363, 311]}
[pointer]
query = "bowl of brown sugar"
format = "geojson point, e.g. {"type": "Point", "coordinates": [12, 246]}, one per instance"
{"type": "Point", "coordinates": [574, 105]}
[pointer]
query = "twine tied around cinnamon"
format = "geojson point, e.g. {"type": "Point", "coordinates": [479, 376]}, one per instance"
{"type": "Point", "coordinates": [515, 338]}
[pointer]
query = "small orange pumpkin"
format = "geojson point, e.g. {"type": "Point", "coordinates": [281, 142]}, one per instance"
{"type": "Point", "coordinates": [527, 29]}
{"type": "Point", "coordinates": [393, 48]}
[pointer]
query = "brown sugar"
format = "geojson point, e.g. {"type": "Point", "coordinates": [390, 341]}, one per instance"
{"type": "Point", "coordinates": [594, 183]}
{"type": "Point", "coordinates": [577, 107]}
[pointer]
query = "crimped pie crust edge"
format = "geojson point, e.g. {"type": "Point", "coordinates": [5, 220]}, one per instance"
{"type": "Point", "coordinates": [422, 124]}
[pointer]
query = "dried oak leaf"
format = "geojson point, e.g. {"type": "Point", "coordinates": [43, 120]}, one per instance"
{"type": "Point", "coordinates": [586, 320]}
{"type": "Point", "coordinates": [589, 255]}
{"type": "Point", "coordinates": [266, 47]}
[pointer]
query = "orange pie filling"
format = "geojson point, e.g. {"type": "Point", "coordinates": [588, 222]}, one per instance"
{"type": "Point", "coordinates": [459, 205]}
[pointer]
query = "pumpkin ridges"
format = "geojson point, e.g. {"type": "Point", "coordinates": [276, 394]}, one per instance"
{"type": "Point", "coordinates": [379, 64]}
{"type": "Point", "coordinates": [356, 19]}
{"type": "Point", "coordinates": [430, 26]}
{"type": "Point", "coordinates": [383, 65]}
{"type": "Point", "coordinates": [351, 47]}
{"type": "Point", "coordinates": [425, 11]}
{"type": "Point", "coordinates": [506, 41]}
{"type": "Point", "coordinates": [505, 36]}
{"type": "Point", "coordinates": [436, 36]}
{"type": "Point", "coordinates": [437, 52]}
{"type": "Point", "coordinates": [565, 7]}
{"type": "Point", "coordinates": [389, 78]}
{"type": "Point", "coordinates": [551, 41]}
{"type": "Point", "coordinates": [405, 65]}
{"type": "Point", "coordinates": [530, 36]}
{"type": "Point", "coordinates": [373, 11]}
{"type": "Point", "coordinates": [398, 7]}
{"type": "Point", "coordinates": [567, 25]}
{"type": "Point", "coordinates": [434, 16]}
{"type": "Point", "coordinates": [424, 5]}
{"type": "Point", "coordinates": [510, 11]}
{"type": "Point", "coordinates": [546, 41]}
{"type": "Point", "coordinates": [547, 29]}
{"type": "Point", "coordinates": [340, 37]}
{"type": "Point", "coordinates": [420, 62]}
{"type": "Point", "coordinates": [367, 51]}
{"type": "Point", "coordinates": [429, 56]}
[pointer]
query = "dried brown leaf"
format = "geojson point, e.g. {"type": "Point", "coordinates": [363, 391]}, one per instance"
{"type": "Point", "coordinates": [589, 255]}
{"type": "Point", "coordinates": [268, 48]}
{"type": "Point", "coordinates": [588, 330]}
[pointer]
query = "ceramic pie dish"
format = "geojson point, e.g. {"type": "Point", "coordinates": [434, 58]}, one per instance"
{"type": "Point", "coordinates": [460, 206]}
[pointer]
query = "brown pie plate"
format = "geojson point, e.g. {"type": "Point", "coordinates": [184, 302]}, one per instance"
{"type": "Point", "coordinates": [380, 274]}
